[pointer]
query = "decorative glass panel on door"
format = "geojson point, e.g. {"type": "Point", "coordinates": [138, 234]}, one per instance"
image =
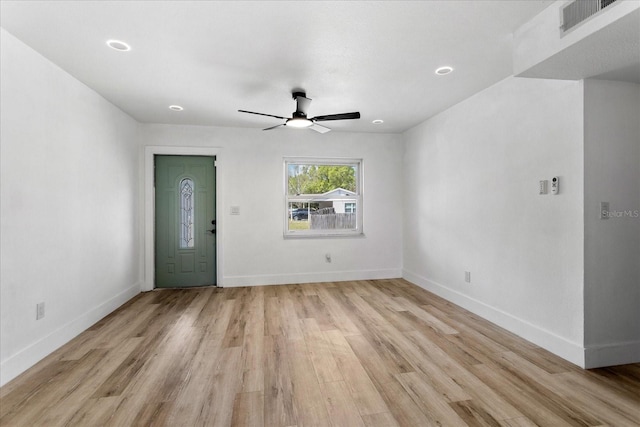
{"type": "Point", "coordinates": [187, 213]}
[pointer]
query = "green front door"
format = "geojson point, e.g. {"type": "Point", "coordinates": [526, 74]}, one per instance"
{"type": "Point", "coordinates": [185, 221]}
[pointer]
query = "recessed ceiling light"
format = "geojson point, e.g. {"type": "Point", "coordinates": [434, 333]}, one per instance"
{"type": "Point", "coordinates": [118, 45]}
{"type": "Point", "coordinates": [377, 121]}
{"type": "Point", "coordinates": [442, 71]}
{"type": "Point", "coordinates": [175, 108]}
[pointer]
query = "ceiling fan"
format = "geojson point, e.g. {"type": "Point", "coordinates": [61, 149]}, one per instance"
{"type": "Point", "coordinates": [299, 117]}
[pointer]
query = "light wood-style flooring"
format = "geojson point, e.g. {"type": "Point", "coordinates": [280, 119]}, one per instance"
{"type": "Point", "coordinates": [348, 354]}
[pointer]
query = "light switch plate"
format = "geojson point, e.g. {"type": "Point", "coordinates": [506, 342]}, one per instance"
{"type": "Point", "coordinates": [543, 186]}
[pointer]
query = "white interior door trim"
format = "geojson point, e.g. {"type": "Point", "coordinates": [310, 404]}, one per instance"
{"type": "Point", "coordinates": [149, 207]}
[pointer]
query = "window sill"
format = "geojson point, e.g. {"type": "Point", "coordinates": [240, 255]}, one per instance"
{"type": "Point", "coordinates": [323, 236]}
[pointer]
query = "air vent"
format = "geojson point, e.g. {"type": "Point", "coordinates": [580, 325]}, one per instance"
{"type": "Point", "coordinates": [579, 10]}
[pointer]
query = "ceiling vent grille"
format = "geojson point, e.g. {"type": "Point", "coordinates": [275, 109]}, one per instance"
{"type": "Point", "coordinates": [579, 10]}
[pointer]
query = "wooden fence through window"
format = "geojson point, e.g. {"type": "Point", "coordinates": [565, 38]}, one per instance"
{"type": "Point", "coordinates": [328, 219]}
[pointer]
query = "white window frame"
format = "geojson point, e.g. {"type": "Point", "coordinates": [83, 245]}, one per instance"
{"type": "Point", "coordinates": [358, 197]}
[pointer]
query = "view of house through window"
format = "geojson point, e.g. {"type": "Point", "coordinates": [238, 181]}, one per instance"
{"type": "Point", "coordinates": [323, 197]}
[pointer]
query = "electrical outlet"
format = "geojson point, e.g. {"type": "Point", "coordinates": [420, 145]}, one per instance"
{"type": "Point", "coordinates": [327, 257]}
{"type": "Point", "coordinates": [467, 276]}
{"type": "Point", "coordinates": [39, 311]}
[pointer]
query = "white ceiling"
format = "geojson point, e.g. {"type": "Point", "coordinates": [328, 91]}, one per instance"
{"type": "Point", "coordinates": [214, 58]}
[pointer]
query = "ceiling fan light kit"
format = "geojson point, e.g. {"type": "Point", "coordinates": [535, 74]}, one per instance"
{"type": "Point", "coordinates": [299, 122]}
{"type": "Point", "coordinates": [299, 117]}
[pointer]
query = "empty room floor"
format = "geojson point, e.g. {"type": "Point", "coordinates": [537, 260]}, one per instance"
{"type": "Point", "coordinates": [362, 353]}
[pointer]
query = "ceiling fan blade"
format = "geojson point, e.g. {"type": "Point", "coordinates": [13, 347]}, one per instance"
{"type": "Point", "coordinates": [302, 104]}
{"type": "Point", "coordinates": [262, 114]}
{"type": "Point", "coordinates": [273, 127]}
{"type": "Point", "coordinates": [319, 128]}
{"type": "Point", "coordinates": [342, 116]}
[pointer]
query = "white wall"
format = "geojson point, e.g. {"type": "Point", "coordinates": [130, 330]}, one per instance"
{"type": "Point", "coordinates": [472, 204]}
{"type": "Point", "coordinates": [250, 175]}
{"type": "Point", "coordinates": [592, 47]}
{"type": "Point", "coordinates": [69, 197]}
{"type": "Point", "coordinates": [612, 246]}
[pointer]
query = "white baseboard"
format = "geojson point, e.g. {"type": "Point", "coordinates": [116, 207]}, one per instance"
{"type": "Point", "coordinates": [570, 351]}
{"type": "Point", "coordinates": [612, 354]}
{"type": "Point", "coordinates": [29, 356]}
{"type": "Point", "coordinates": [286, 279]}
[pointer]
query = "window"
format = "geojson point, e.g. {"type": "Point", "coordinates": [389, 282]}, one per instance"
{"type": "Point", "coordinates": [323, 197]}
{"type": "Point", "coordinates": [186, 214]}
{"type": "Point", "coordinates": [350, 207]}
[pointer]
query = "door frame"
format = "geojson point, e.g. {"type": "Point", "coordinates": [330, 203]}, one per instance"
{"type": "Point", "coordinates": [150, 152]}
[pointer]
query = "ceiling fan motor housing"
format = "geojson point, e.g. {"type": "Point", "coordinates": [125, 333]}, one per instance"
{"type": "Point", "coordinates": [302, 104]}
{"type": "Point", "coordinates": [295, 95]}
